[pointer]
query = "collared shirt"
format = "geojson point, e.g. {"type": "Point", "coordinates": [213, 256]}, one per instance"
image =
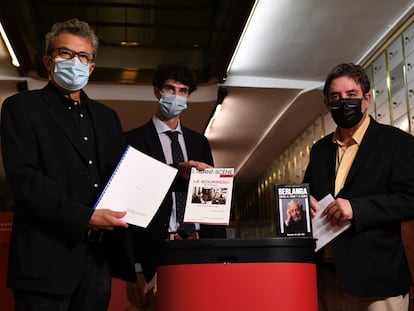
{"type": "Point", "coordinates": [161, 128]}
{"type": "Point", "coordinates": [78, 113]}
{"type": "Point", "coordinates": [345, 155]}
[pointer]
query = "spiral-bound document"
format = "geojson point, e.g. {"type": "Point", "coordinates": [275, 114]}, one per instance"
{"type": "Point", "coordinates": [138, 186]}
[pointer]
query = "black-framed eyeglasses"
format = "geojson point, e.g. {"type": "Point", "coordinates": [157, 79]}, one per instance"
{"type": "Point", "coordinates": [348, 103]}
{"type": "Point", "coordinates": [66, 53]}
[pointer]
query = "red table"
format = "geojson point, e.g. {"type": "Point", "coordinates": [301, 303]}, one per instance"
{"type": "Point", "coordinates": [239, 274]}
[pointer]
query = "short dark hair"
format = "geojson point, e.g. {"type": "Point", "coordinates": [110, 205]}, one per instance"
{"type": "Point", "coordinates": [356, 72]}
{"type": "Point", "coordinates": [178, 71]}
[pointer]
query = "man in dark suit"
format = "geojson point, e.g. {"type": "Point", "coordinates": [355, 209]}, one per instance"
{"type": "Point", "coordinates": [59, 148]}
{"type": "Point", "coordinates": [173, 84]}
{"type": "Point", "coordinates": [369, 169]}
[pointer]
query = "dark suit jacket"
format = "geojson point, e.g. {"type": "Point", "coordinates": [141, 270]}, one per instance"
{"type": "Point", "coordinates": [145, 139]}
{"type": "Point", "coordinates": [370, 256]}
{"type": "Point", "coordinates": [47, 171]}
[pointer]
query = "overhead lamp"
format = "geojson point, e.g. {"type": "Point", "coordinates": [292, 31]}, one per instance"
{"type": "Point", "coordinates": [242, 37]}
{"type": "Point", "coordinates": [221, 94]}
{"type": "Point", "coordinates": [6, 41]}
{"type": "Point", "coordinates": [129, 43]}
{"type": "Point", "coordinates": [210, 123]}
{"type": "Point", "coordinates": [126, 42]}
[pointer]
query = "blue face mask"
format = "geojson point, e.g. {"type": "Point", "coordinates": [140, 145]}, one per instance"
{"type": "Point", "coordinates": [71, 74]}
{"type": "Point", "coordinates": [172, 105]}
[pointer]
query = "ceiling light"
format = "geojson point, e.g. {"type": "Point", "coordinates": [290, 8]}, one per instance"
{"type": "Point", "coordinates": [210, 123]}
{"type": "Point", "coordinates": [242, 37]}
{"type": "Point", "coordinates": [6, 41]}
{"type": "Point", "coordinates": [126, 42]}
{"type": "Point", "coordinates": [222, 92]}
{"type": "Point", "coordinates": [129, 43]}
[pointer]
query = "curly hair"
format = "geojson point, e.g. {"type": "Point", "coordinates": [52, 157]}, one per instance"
{"type": "Point", "coordinates": [178, 72]}
{"type": "Point", "coordinates": [356, 72]}
{"type": "Point", "coordinates": [73, 26]}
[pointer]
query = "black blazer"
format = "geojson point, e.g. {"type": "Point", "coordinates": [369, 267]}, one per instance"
{"type": "Point", "coordinates": [370, 257]}
{"type": "Point", "coordinates": [145, 139]}
{"type": "Point", "coordinates": [47, 171]}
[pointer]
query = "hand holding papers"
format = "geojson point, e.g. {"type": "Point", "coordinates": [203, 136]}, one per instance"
{"type": "Point", "coordinates": [138, 186]}
{"type": "Point", "coordinates": [209, 196]}
{"type": "Point", "coordinates": [323, 231]}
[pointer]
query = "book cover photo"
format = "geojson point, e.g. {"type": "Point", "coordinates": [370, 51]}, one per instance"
{"type": "Point", "coordinates": [209, 196]}
{"type": "Point", "coordinates": [293, 210]}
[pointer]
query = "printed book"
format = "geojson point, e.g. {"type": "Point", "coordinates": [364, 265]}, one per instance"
{"type": "Point", "coordinates": [293, 210]}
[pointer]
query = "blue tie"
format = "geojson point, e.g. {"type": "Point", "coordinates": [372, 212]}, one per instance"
{"type": "Point", "coordinates": [180, 197]}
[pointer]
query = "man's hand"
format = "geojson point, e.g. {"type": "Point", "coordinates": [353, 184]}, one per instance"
{"type": "Point", "coordinates": [314, 206]}
{"type": "Point", "coordinates": [136, 292]}
{"type": "Point", "coordinates": [289, 215]}
{"type": "Point", "coordinates": [107, 219]}
{"type": "Point", "coordinates": [338, 211]}
{"type": "Point", "coordinates": [184, 168]}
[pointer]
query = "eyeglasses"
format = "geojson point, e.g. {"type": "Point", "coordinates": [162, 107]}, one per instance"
{"type": "Point", "coordinates": [66, 53]}
{"type": "Point", "coordinates": [348, 103]}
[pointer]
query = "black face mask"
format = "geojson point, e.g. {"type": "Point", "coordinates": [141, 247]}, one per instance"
{"type": "Point", "coordinates": [346, 112]}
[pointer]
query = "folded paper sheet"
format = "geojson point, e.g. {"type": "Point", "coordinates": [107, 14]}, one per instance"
{"type": "Point", "coordinates": [323, 231]}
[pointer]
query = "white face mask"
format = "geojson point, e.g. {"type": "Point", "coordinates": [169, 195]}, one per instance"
{"type": "Point", "coordinates": [71, 74]}
{"type": "Point", "coordinates": [172, 105]}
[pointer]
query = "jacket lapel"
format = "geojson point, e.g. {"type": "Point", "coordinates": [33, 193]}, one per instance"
{"type": "Point", "coordinates": [332, 164]}
{"type": "Point", "coordinates": [152, 141]}
{"type": "Point", "coordinates": [364, 149]}
{"type": "Point", "coordinates": [58, 113]}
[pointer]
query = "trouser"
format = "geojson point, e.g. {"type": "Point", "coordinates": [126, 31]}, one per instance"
{"type": "Point", "coordinates": [92, 293]}
{"type": "Point", "coordinates": [332, 296]}
{"type": "Point", "coordinates": [397, 303]}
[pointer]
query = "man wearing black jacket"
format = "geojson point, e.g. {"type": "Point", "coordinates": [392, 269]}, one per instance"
{"type": "Point", "coordinates": [369, 169]}
{"type": "Point", "coordinates": [173, 84]}
{"type": "Point", "coordinates": [59, 148]}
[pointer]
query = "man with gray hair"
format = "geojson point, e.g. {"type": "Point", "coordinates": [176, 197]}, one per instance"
{"type": "Point", "coordinates": [295, 221]}
{"type": "Point", "coordinates": [59, 148]}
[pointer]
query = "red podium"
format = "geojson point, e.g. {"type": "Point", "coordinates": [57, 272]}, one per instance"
{"type": "Point", "coordinates": [238, 274]}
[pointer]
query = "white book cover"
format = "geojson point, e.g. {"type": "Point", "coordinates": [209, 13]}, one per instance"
{"type": "Point", "coordinates": [138, 186]}
{"type": "Point", "coordinates": [209, 196]}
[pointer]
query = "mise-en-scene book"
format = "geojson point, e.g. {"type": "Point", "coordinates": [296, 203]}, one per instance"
{"type": "Point", "coordinates": [209, 196]}
{"type": "Point", "coordinates": [293, 210]}
{"type": "Point", "coordinates": [138, 186]}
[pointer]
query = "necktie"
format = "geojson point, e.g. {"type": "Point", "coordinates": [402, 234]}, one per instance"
{"type": "Point", "coordinates": [180, 197]}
